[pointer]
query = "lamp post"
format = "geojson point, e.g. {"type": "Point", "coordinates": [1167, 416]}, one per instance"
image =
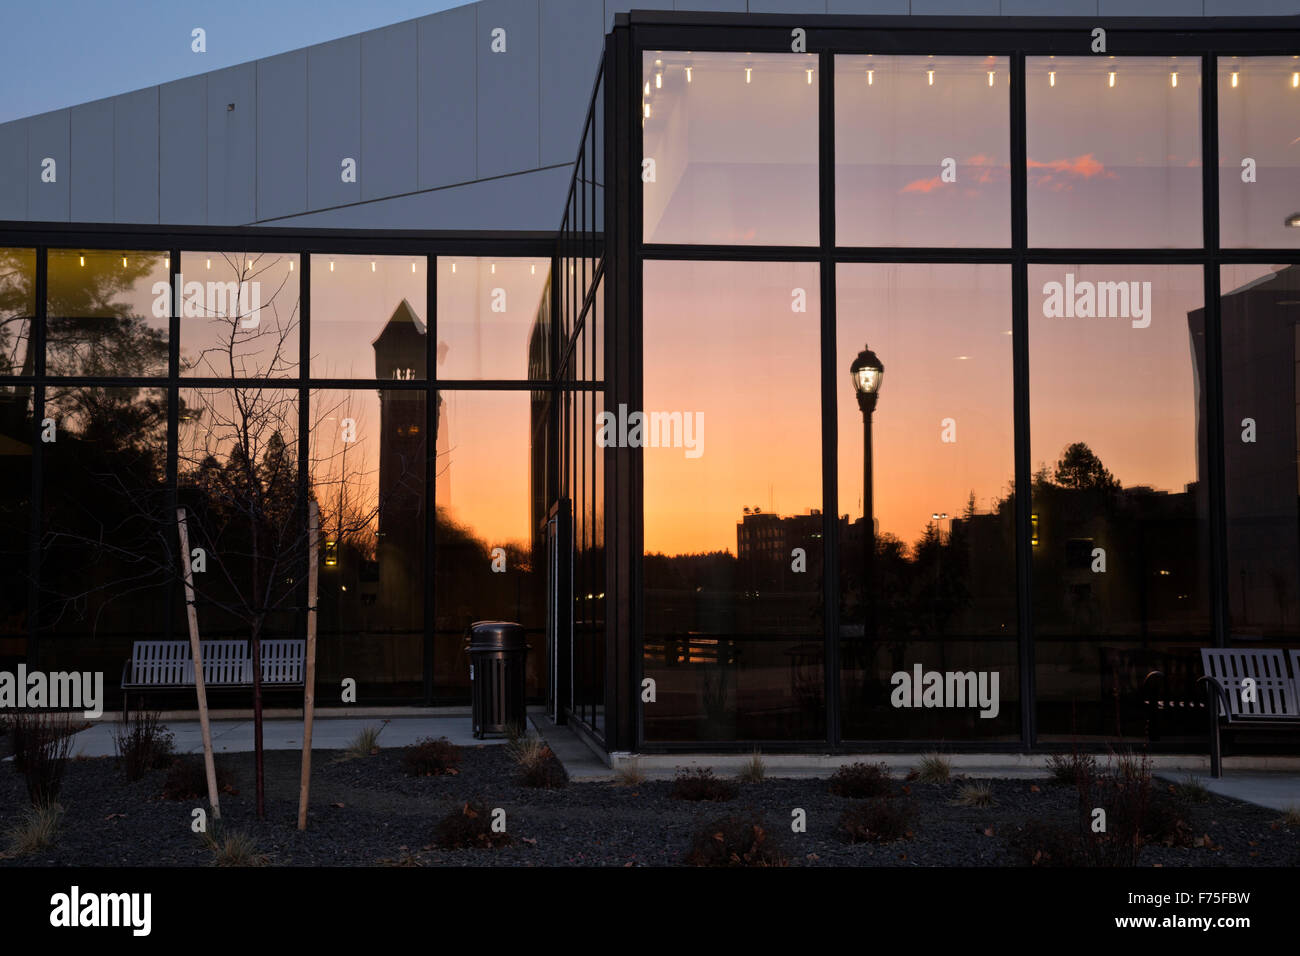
{"type": "Point", "coordinates": [866, 373]}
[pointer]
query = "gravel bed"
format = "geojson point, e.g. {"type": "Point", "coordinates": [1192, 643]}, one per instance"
{"type": "Point", "coordinates": [365, 811]}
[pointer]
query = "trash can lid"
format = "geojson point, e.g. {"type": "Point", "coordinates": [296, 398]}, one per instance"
{"type": "Point", "coordinates": [496, 636]}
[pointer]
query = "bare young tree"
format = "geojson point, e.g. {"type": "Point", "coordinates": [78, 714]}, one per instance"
{"type": "Point", "coordinates": [237, 473]}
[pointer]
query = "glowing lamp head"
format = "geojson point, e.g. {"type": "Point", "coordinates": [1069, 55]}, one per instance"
{"type": "Point", "coordinates": [867, 371]}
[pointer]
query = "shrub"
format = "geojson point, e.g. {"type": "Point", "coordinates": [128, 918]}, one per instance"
{"type": "Point", "coordinates": [739, 839]}
{"type": "Point", "coordinates": [41, 745]}
{"type": "Point", "coordinates": [878, 820]}
{"type": "Point", "coordinates": [1291, 816]}
{"type": "Point", "coordinates": [187, 779]}
{"type": "Point", "coordinates": [1192, 790]}
{"type": "Point", "coordinates": [365, 744]}
{"type": "Point", "coordinates": [861, 780]}
{"type": "Point", "coordinates": [35, 829]}
{"type": "Point", "coordinates": [430, 757]}
{"type": "Point", "coordinates": [1067, 769]}
{"type": "Point", "coordinates": [1125, 795]}
{"type": "Point", "coordinates": [753, 770]}
{"type": "Point", "coordinates": [143, 744]}
{"type": "Point", "coordinates": [700, 784]}
{"type": "Point", "coordinates": [629, 774]}
{"type": "Point", "coordinates": [232, 847]}
{"type": "Point", "coordinates": [934, 768]}
{"type": "Point", "coordinates": [1165, 820]}
{"type": "Point", "coordinates": [974, 794]}
{"type": "Point", "coordinates": [526, 749]}
{"type": "Point", "coordinates": [470, 827]}
{"type": "Point", "coordinates": [1043, 843]}
{"type": "Point", "coordinates": [546, 772]}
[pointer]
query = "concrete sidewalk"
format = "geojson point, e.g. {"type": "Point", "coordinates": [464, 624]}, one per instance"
{"type": "Point", "coordinates": [1277, 791]}
{"type": "Point", "coordinates": [334, 733]}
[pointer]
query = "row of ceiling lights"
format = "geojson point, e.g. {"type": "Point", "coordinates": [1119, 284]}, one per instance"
{"type": "Point", "coordinates": [167, 263]}
{"type": "Point", "coordinates": [871, 78]}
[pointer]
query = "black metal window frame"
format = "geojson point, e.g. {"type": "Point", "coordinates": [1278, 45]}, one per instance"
{"type": "Point", "coordinates": [639, 32]}
{"type": "Point", "coordinates": [46, 237]}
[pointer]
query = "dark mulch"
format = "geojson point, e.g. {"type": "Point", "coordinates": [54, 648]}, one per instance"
{"type": "Point", "coordinates": [368, 811]}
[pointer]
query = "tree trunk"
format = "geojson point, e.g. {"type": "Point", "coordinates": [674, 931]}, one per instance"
{"type": "Point", "coordinates": [255, 645]}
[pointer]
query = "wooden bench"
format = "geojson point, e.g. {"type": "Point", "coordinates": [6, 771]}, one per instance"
{"type": "Point", "coordinates": [1273, 704]}
{"type": "Point", "coordinates": [227, 665]}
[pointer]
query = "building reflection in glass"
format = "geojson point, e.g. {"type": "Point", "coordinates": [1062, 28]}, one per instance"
{"type": "Point", "coordinates": [1120, 500]}
{"type": "Point", "coordinates": [733, 546]}
{"type": "Point", "coordinates": [915, 588]}
{"type": "Point", "coordinates": [1260, 309]}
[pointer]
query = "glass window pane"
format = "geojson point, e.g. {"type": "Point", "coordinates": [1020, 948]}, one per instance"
{"type": "Point", "coordinates": [732, 466]}
{"type": "Point", "coordinates": [369, 316]}
{"type": "Point", "coordinates": [483, 467]}
{"type": "Point", "coordinates": [1114, 148]}
{"type": "Point", "coordinates": [733, 137]}
{"type": "Point", "coordinates": [17, 308]}
{"type": "Point", "coordinates": [922, 151]}
{"type": "Point", "coordinates": [108, 533]}
{"type": "Point", "coordinates": [1259, 170]}
{"type": "Point", "coordinates": [1120, 494]}
{"type": "Point", "coordinates": [367, 466]}
{"type": "Point", "coordinates": [238, 480]}
{"type": "Point", "coordinates": [16, 433]}
{"type": "Point", "coordinates": [929, 580]}
{"type": "Point", "coordinates": [1260, 309]}
{"type": "Point", "coordinates": [598, 575]}
{"type": "Point", "coordinates": [108, 312]}
{"type": "Point", "coordinates": [239, 314]}
{"type": "Point", "coordinates": [486, 310]}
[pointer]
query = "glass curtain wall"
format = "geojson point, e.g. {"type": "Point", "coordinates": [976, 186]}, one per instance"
{"type": "Point", "coordinates": [210, 381]}
{"type": "Point", "coordinates": [974, 443]}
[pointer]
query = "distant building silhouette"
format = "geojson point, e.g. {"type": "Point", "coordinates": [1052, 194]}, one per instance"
{"type": "Point", "coordinates": [1261, 349]}
{"type": "Point", "coordinates": [400, 354]}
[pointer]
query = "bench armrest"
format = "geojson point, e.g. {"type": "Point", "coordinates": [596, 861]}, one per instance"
{"type": "Point", "coordinates": [1220, 694]}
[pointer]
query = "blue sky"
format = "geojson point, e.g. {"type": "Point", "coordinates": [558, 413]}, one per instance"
{"type": "Point", "coordinates": [64, 52]}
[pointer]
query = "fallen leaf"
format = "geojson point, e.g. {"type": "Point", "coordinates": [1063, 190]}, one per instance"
{"type": "Point", "coordinates": [813, 856]}
{"type": "Point", "coordinates": [988, 832]}
{"type": "Point", "coordinates": [529, 840]}
{"type": "Point", "coordinates": [1034, 788]}
{"type": "Point", "coordinates": [115, 816]}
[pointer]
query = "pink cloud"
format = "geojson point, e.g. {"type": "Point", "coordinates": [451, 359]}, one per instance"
{"type": "Point", "coordinates": [923, 185]}
{"type": "Point", "coordinates": [1086, 166]}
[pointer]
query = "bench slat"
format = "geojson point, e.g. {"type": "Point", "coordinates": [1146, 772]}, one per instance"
{"type": "Point", "coordinates": [226, 663]}
{"type": "Point", "coordinates": [1274, 696]}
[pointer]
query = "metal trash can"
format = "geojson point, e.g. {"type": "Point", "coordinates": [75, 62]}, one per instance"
{"type": "Point", "coordinates": [497, 655]}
